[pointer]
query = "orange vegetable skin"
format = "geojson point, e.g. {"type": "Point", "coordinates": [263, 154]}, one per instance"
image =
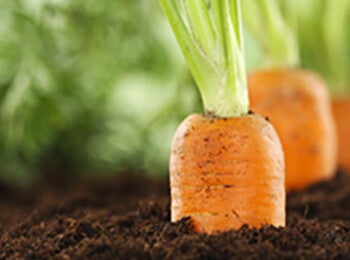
{"type": "Point", "coordinates": [298, 106]}
{"type": "Point", "coordinates": [227, 172]}
{"type": "Point", "coordinates": [341, 111]}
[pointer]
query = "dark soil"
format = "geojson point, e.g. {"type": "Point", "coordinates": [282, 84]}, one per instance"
{"type": "Point", "coordinates": [128, 217]}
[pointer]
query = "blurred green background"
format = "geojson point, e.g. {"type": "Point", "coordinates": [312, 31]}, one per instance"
{"type": "Point", "coordinates": [88, 86]}
{"type": "Point", "coordinates": [92, 86]}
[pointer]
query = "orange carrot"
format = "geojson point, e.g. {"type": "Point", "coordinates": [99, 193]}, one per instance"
{"type": "Point", "coordinates": [333, 43]}
{"type": "Point", "coordinates": [226, 168]}
{"type": "Point", "coordinates": [329, 54]}
{"type": "Point", "coordinates": [341, 112]}
{"type": "Point", "coordinates": [227, 172]}
{"type": "Point", "coordinates": [327, 51]}
{"type": "Point", "coordinates": [297, 103]}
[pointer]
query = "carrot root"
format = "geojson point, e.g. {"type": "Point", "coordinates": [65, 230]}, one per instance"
{"type": "Point", "coordinates": [298, 105]}
{"type": "Point", "coordinates": [341, 112]}
{"type": "Point", "coordinates": [227, 172]}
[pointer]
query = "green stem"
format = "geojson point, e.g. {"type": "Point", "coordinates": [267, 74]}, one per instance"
{"type": "Point", "coordinates": [324, 38]}
{"type": "Point", "coordinates": [211, 40]}
{"type": "Point", "coordinates": [266, 23]}
{"type": "Point", "coordinates": [201, 26]}
{"type": "Point", "coordinates": [217, 8]}
{"type": "Point", "coordinates": [335, 26]}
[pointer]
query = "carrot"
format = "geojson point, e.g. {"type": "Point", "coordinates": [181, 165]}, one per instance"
{"type": "Point", "coordinates": [226, 172]}
{"type": "Point", "coordinates": [295, 100]}
{"type": "Point", "coordinates": [341, 112]}
{"type": "Point", "coordinates": [226, 167]}
{"type": "Point", "coordinates": [297, 104]}
{"type": "Point", "coordinates": [329, 53]}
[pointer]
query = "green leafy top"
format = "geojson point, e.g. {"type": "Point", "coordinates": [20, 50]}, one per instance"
{"type": "Point", "coordinates": [210, 36]}
{"type": "Point", "coordinates": [313, 34]}
{"type": "Point", "coordinates": [324, 38]}
{"type": "Point", "coordinates": [273, 31]}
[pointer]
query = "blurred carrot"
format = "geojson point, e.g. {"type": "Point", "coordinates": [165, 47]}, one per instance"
{"type": "Point", "coordinates": [227, 167]}
{"type": "Point", "coordinates": [341, 112]}
{"type": "Point", "coordinates": [297, 104]}
{"type": "Point", "coordinates": [295, 100]}
{"type": "Point", "coordinates": [329, 54]}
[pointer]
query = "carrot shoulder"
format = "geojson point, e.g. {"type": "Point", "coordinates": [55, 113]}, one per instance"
{"type": "Point", "coordinates": [298, 105]}
{"type": "Point", "coordinates": [227, 172]}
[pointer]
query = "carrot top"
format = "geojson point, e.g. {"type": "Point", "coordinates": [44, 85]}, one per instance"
{"type": "Point", "coordinates": [313, 34]}
{"type": "Point", "coordinates": [273, 30]}
{"type": "Point", "coordinates": [325, 40]}
{"type": "Point", "coordinates": [210, 36]}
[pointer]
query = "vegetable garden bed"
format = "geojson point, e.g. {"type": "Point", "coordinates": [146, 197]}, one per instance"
{"type": "Point", "coordinates": [128, 217]}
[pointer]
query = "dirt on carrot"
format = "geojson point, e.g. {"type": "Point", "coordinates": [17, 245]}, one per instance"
{"type": "Point", "coordinates": [341, 112]}
{"type": "Point", "coordinates": [227, 172]}
{"type": "Point", "coordinates": [298, 106]}
{"type": "Point", "coordinates": [129, 217]}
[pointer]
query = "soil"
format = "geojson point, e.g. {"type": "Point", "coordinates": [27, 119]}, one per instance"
{"type": "Point", "coordinates": [128, 217]}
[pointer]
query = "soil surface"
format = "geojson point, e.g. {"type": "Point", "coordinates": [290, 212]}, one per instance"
{"type": "Point", "coordinates": [128, 217]}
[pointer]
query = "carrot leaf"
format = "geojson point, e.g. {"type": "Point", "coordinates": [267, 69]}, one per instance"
{"type": "Point", "coordinates": [329, 52]}
{"type": "Point", "coordinates": [267, 24]}
{"type": "Point", "coordinates": [323, 38]}
{"type": "Point", "coordinates": [210, 36]}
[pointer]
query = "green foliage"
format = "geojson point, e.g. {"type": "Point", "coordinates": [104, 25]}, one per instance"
{"type": "Point", "coordinates": [267, 22]}
{"type": "Point", "coordinates": [88, 86]}
{"type": "Point", "coordinates": [210, 36]}
{"type": "Point", "coordinates": [324, 36]}
{"type": "Point", "coordinates": [320, 37]}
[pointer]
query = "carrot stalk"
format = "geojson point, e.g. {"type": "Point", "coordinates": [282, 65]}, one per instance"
{"type": "Point", "coordinates": [329, 52]}
{"type": "Point", "coordinates": [213, 53]}
{"type": "Point", "coordinates": [265, 21]}
{"type": "Point", "coordinates": [226, 168]}
{"type": "Point", "coordinates": [335, 17]}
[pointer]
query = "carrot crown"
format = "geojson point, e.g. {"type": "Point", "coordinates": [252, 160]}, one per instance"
{"type": "Point", "coordinates": [210, 36]}
{"type": "Point", "coordinates": [325, 40]}
{"type": "Point", "coordinates": [273, 30]}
